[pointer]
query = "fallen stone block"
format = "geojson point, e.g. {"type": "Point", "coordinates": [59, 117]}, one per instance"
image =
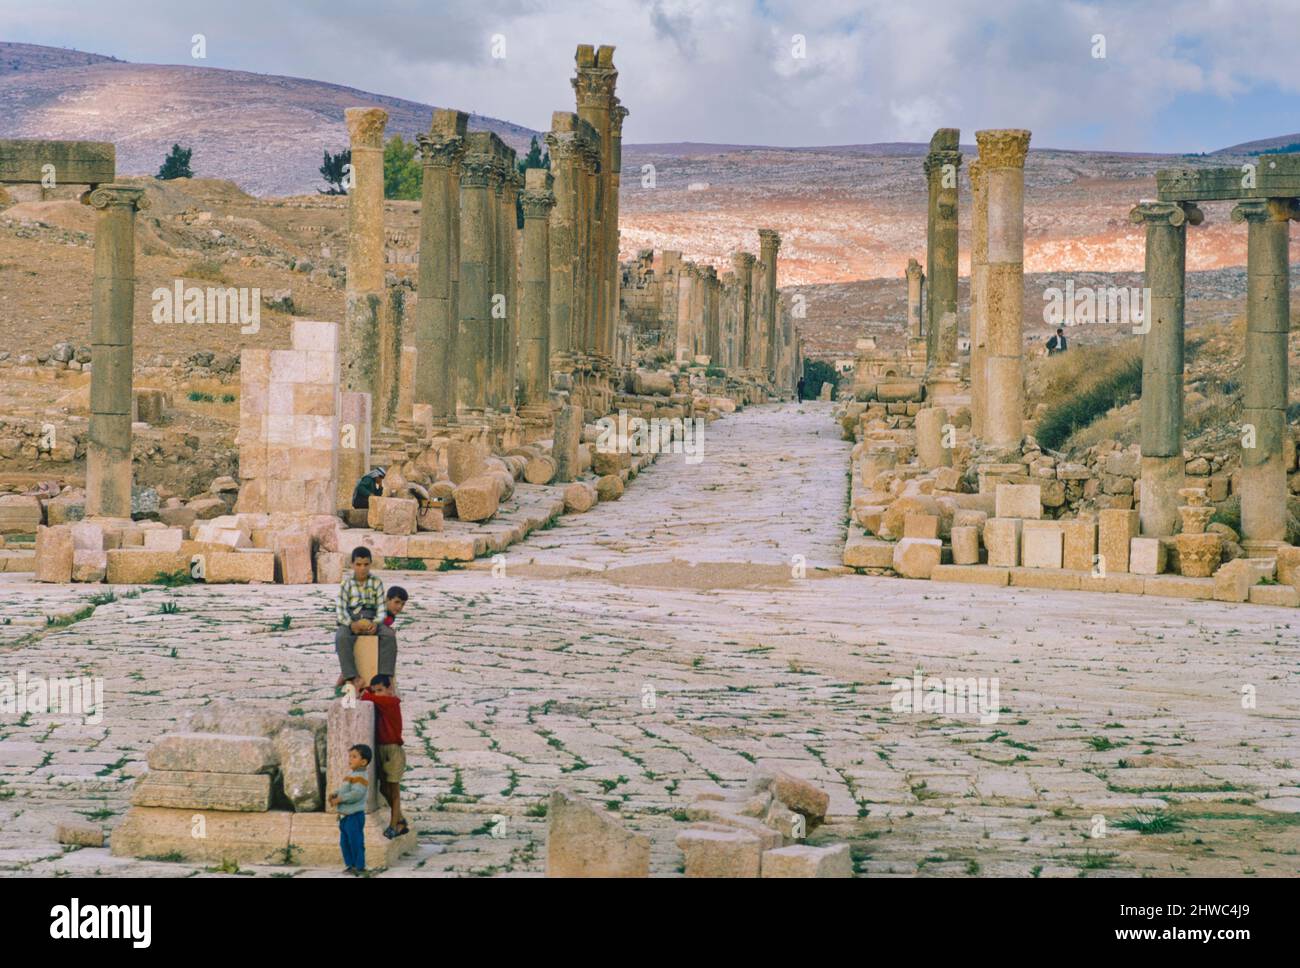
{"type": "Point", "coordinates": [300, 774]}
{"type": "Point", "coordinates": [293, 561]}
{"type": "Point", "coordinates": [79, 834]}
{"type": "Point", "coordinates": [1054, 578]}
{"type": "Point", "coordinates": [138, 566]}
{"type": "Point", "coordinates": [1234, 580]}
{"type": "Point", "coordinates": [867, 552]}
{"type": "Point", "coordinates": [921, 526]}
{"type": "Point", "coordinates": [213, 753]}
{"type": "Point", "coordinates": [89, 566]}
{"type": "Point", "coordinates": [19, 514]}
{"type": "Point", "coordinates": [164, 539]}
{"type": "Point", "coordinates": [443, 547]}
{"type": "Point", "coordinates": [1079, 543]}
{"type": "Point", "coordinates": [1002, 541]}
{"type": "Point", "coordinates": [1176, 586]}
{"type": "Point", "coordinates": [965, 545]}
{"type": "Point", "coordinates": [54, 554]}
{"type": "Point", "coordinates": [720, 853]}
{"type": "Point", "coordinates": [195, 790]}
{"type": "Point", "coordinates": [315, 841]}
{"type": "Point", "coordinates": [329, 567]}
{"type": "Point", "coordinates": [246, 838]}
{"type": "Point", "coordinates": [1042, 544]}
{"type": "Point", "coordinates": [1146, 556]}
{"type": "Point", "coordinates": [971, 574]}
{"type": "Point", "coordinates": [429, 519]}
{"type": "Point", "coordinates": [579, 497]}
{"type": "Point", "coordinates": [584, 842]}
{"type": "Point", "coordinates": [1019, 501]}
{"type": "Point", "coordinates": [1116, 528]}
{"type": "Point", "coordinates": [477, 499]}
{"type": "Point", "coordinates": [609, 487]}
{"type": "Point", "coordinates": [805, 860]}
{"type": "Point", "coordinates": [917, 557]}
{"type": "Point", "coordinates": [239, 567]}
{"type": "Point", "coordinates": [1286, 596]}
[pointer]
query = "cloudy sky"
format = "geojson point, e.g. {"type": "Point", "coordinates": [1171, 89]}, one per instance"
{"type": "Point", "coordinates": [1176, 75]}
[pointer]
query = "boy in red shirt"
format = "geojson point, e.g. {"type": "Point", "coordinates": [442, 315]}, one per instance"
{"type": "Point", "coordinates": [392, 758]}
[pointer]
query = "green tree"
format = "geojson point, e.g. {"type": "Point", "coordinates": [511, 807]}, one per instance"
{"type": "Point", "coordinates": [534, 159]}
{"type": "Point", "coordinates": [176, 165]}
{"type": "Point", "coordinates": [334, 170]}
{"type": "Point", "coordinates": [403, 173]}
{"type": "Point", "coordinates": [815, 373]}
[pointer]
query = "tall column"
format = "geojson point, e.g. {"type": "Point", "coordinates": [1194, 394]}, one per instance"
{"type": "Point", "coordinates": [915, 276]}
{"type": "Point", "coordinates": [769, 243]}
{"type": "Point", "coordinates": [534, 324]}
{"type": "Point", "coordinates": [979, 253]}
{"type": "Point", "coordinates": [473, 336]}
{"type": "Point", "coordinates": [685, 280]}
{"type": "Point", "coordinates": [566, 161]}
{"type": "Point", "coordinates": [941, 170]}
{"type": "Point", "coordinates": [1162, 362]}
{"type": "Point", "coordinates": [1264, 403]}
{"type": "Point", "coordinates": [507, 327]}
{"type": "Point", "coordinates": [362, 344]}
{"type": "Point", "coordinates": [594, 85]}
{"type": "Point", "coordinates": [743, 264]}
{"type": "Point", "coordinates": [713, 323]}
{"type": "Point", "coordinates": [616, 117]}
{"type": "Point", "coordinates": [1002, 160]}
{"type": "Point", "coordinates": [436, 316]}
{"type": "Point", "coordinates": [112, 308]}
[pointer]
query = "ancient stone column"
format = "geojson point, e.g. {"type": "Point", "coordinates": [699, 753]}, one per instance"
{"type": "Point", "coordinates": [941, 170]}
{"type": "Point", "coordinates": [507, 327]}
{"type": "Point", "coordinates": [436, 314]}
{"type": "Point", "coordinates": [617, 115]}
{"type": "Point", "coordinates": [685, 337]}
{"type": "Point", "coordinates": [743, 265]}
{"type": "Point", "coordinates": [1264, 403]}
{"type": "Point", "coordinates": [112, 309]}
{"type": "Point", "coordinates": [915, 276]}
{"type": "Point", "coordinates": [979, 251]}
{"type": "Point", "coordinates": [565, 156]}
{"type": "Point", "coordinates": [478, 215]}
{"type": "Point", "coordinates": [1002, 161]}
{"type": "Point", "coordinates": [769, 243]}
{"type": "Point", "coordinates": [712, 322]}
{"type": "Point", "coordinates": [1162, 362]}
{"type": "Point", "coordinates": [594, 86]}
{"type": "Point", "coordinates": [362, 342]}
{"type": "Point", "coordinates": [535, 297]}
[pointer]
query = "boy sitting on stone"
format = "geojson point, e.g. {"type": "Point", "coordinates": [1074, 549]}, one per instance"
{"type": "Point", "coordinates": [362, 610]}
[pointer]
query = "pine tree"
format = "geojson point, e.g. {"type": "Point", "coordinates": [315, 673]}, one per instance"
{"type": "Point", "coordinates": [403, 173]}
{"type": "Point", "coordinates": [176, 165]}
{"type": "Point", "coordinates": [334, 170]}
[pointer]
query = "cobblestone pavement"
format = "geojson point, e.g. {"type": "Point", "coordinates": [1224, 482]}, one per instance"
{"type": "Point", "coordinates": [662, 646]}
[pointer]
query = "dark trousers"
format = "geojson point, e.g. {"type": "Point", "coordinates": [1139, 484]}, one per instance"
{"type": "Point", "coordinates": [345, 639]}
{"type": "Point", "coordinates": [352, 839]}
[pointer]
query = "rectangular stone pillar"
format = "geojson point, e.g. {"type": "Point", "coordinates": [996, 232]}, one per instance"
{"type": "Point", "coordinates": [1002, 160]}
{"type": "Point", "coordinates": [1264, 404]}
{"type": "Point", "coordinates": [534, 326]}
{"type": "Point", "coordinates": [941, 171]}
{"type": "Point", "coordinates": [108, 452]}
{"type": "Point", "coordinates": [436, 313]}
{"type": "Point", "coordinates": [1162, 362]}
{"type": "Point", "coordinates": [364, 309]}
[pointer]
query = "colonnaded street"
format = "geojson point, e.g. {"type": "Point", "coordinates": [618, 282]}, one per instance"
{"type": "Point", "coordinates": [668, 644]}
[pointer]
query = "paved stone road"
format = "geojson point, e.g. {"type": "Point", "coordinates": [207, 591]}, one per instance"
{"type": "Point", "coordinates": [662, 646]}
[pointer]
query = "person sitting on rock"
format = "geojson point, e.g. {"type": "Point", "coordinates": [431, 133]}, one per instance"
{"type": "Point", "coordinates": [361, 610]}
{"type": "Point", "coordinates": [370, 485]}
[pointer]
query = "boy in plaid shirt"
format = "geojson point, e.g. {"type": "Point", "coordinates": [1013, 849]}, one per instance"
{"type": "Point", "coordinates": [363, 609]}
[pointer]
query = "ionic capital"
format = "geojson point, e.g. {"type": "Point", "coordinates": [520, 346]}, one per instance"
{"type": "Point", "coordinates": [1003, 147]}
{"type": "Point", "coordinates": [1174, 213]}
{"type": "Point", "coordinates": [1266, 210]}
{"type": "Point", "coordinates": [117, 196]}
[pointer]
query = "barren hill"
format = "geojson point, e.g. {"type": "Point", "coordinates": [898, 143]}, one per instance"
{"type": "Point", "coordinates": [266, 133]}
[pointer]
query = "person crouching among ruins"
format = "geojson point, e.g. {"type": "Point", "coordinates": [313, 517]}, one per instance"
{"type": "Point", "coordinates": [392, 757]}
{"type": "Point", "coordinates": [350, 801]}
{"type": "Point", "coordinates": [370, 485]}
{"type": "Point", "coordinates": [362, 610]}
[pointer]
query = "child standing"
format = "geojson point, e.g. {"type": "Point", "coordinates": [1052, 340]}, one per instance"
{"type": "Point", "coordinates": [392, 757]}
{"type": "Point", "coordinates": [350, 799]}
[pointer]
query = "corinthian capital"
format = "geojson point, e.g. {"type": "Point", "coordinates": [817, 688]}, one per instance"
{"type": "Point", "coordinates": [437, 152]}
{"type": "Point", "coordinates": [366, 126]}
{"type": "Point", "coordinates": [768, 241]}
{"type": "Point", "coordinates": [1003, 147]}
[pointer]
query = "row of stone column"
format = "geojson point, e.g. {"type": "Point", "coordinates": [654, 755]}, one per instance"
{"type": "Point", "coordinates": [1265, 368]}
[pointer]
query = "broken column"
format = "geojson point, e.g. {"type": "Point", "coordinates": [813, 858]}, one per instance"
{"type": "Point", "coordinates": [534, 324]}
{"type": "Point", "coordinates": [769, 244]}
{"type": "Point", "coordinates": [108, 454]}
{"type": "Point", "coordinates": [363, 320]}
{"type": "Point", "coordinates": [941, 170]}
{"type": "Point", "coordinates": [436, 315]}
{"type": "Point", "coordinates": [1002, 161]}
{"type": "Point", "coordinates": [915, 276]}
{"type": "Point", "coordinates": [1162, 362]}
{"type": "Point", "coordinates": [1264, 404]}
